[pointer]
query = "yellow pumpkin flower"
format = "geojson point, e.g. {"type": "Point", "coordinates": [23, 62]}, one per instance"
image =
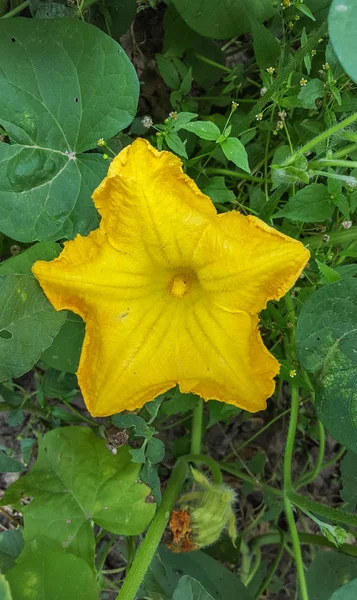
{"type": "Point", "coordinates": [170, 290]}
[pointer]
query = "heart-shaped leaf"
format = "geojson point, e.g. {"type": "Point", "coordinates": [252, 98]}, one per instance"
{"type": "Point", "coordinates": [63, 85]}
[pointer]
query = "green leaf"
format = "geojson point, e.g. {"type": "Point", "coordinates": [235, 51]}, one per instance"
{"type": "Point", "coordinates": [50, 9]}
{"type": "Point", "coordinates": [214, 577]}
{"type": "Point", "coordinates": [266, 46]}
{"type": "Point", "coordinates": [5, 592]}
{"type": "Point", "coordinates": [56, 384]}
{"type": "Point", "coordinates": [305, 11]}
{"type": "Point", "coordinates": [346, 592]}
{"type": "Point", "coordinates": [74, 481]}
{"type": "Point", "coordinates": [223, 18]}
{"type": "Point", "coordinates": [175, 144]}
{"type": "Point", "coordinates": [326, 339]}
{"type": "Point", "coordinates": [190, 589]}
{"type": "Point", "coordinates": [337, 569]}
{"type": "Point", "coordinates": [217, 190]}
{"type": "Point", "coordinates": [28, 323]}
{"type": "Point", "coordinates": [348, 470]}
{"type": "Point", "coordinates": [311, 204]}
{"type": "Point", "coordinates": [11, 545]}
{"type": "Point", "coordinates": [141, 429]}
{"type": "Point", "coordinates": [46, 180]}
{"type": "Point", "coordinates": [121, 15]}
{"type": "Point", "coordinates": [148, 475]}
{"type": "Point", "coordinates": [9, 464]}
{"type": "Point", "coordinates": [179, 403]}
{"type": "Point", "coordinates": [168, 71]}
{"type": "Point", "coordinates": [22, 263]}
{"type": "Point", "coordinates": [234, 150]}
{"type": "Point", "coordinates": [330, 274]}
{"type": "Point", "coordinates": [342, 29]}
{"type": "Point", "coordinates": [310, 92]}
{"type": "Point", "coordinates": [155, 450]}
{"type": "Point", "coordinates": [204, 129]}
{"type": "Point", "coordinates": [42, 573]}
{"type": "Point", "coordinates": [181, 119]}
{"type": "Point", "coordinates": [180, 39]}
{"type": "Point", "coordinates": [138, 455]}
{"type": "Point", "coordinates": [219, 411]}
{"type": "Point", "coordinates": [64, 352]}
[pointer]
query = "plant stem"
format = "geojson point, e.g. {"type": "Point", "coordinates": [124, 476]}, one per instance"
{"type": "Point", "coordinates": [304, 538]}
{"type": "Point", "coordinates": [234, 174]}
{"type": "Point", "coordinates": [196, 436]}
{"type": "Point", "coordinates": [326, 134]}
{"type": "Point", "coordinates": [289, 447]}
{"type": "Point", "coordinates": [147, 549]}
{"type": "Point", "coordinates": [210, 462]}
{"type": "Point", "coordinates": [335, 237]}
{"type": "Point", "coordinates": [27, 407]}
{"type": "Point", "coordinates": [15, 11]}
{"type": "Point", "coordinates": [269, 489]}
{"type": "Point", "coordinates": [351, 164]}
{"type": "Point", "coordinates": [333, 514]}
{"type": "Point", "coordinates": [319, 463]}
{"type": "Point", "coordinates": [272, 569]}
{"type": "Point", "coordinates": [213, 63]}
{"type": "Point", "coordinates": [283, 75]}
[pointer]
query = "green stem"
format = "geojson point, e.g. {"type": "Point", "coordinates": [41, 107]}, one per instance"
{"type": "Point", "coordinates": [272, 569]}
{"type": "Point", "coordinates": [147, 549]}
{"type": "Point", "coordinates": [213, 63]}
{"type": "Point", "coordinates": [27, 407]}
{"type": "Point", "coordinates": [335, 237]}
{"type": "Point", "coordinates": [244, 477]}
{"type": "Point", "coordinates": [304, 538]}
{"type": "Point", "coordinates": [319, 463]}
{"type": "Point", "coordinates": [296, 547]}
{"type": "Point", "coordinates": [351, 164]}
{"type": "Point", "coordinates": [15, 11]}
{"type": "Point", "coordinates": [234, 174]}
{"type": "Point", "coordinates": [282, 77]}
{"type": "Point", "coordinates": [289, 447]}
{"type": "Point", "coordinates": [210, 462]}
{"type": "Point", "coordinates": [196, 435]}
{"type": "Point", "coordinates": [333, 514]}
{"type": "Point", "coordinates": [325, 134]}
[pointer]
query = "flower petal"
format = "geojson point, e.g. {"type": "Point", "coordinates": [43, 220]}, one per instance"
{"type": "Point", "coordinates": [250, 264]}
{"type": "Point", "coordinates": [224, 352]}
{"type": "Point", "coordinates": [147, 202]}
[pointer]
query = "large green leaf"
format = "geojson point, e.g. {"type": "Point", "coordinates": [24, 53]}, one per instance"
{"type": "Point", "coordinates": [28, 324]}
{"type": "Point", "coordinates": [63, 85]}
{"type": "Point", "coordinates": [348, 470]}
{"type": "Point", "coordinates": [328, 572]}
{"type": "Point", "coordinates": [75, 480]}
{"type": "Point", "coordinates": [224, 18]}
{"type": "Point", "coordinates": [326, 341]}
{"type": "Point", "coordinates": [11, 545]}
{"type": "Point", "coordinates": [5, 593]}
{"type": "Point", "coordinates": [311, 204]}
{"type": "Point", "coordinates": [43, 573]}
{"type": "Point", "coordinates": [342, 28]}
{"type": "Point", "coordinates": [23, 262]}
{"type": "Point", "coordinates": [214, 577]}
{"type": "Point", "coordinates": [346, 592]}
{"type": "Point", "coordinates": [65, 350]}
{"type": "Point", "coordinates": [190, 589]}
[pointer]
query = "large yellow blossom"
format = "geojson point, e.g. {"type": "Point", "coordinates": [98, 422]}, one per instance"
{"type": "Point", "coordinates": [169, 290]}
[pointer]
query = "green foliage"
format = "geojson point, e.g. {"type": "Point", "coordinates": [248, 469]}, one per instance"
{"type": "Point", "coordinates": [266, 46]}
{"type": "Point", "coordinates": [76, 480]}
{"type": "Point", "coordinates": [46, 177]}
{"type": "Point", "coordinates": [71, 577]}
{"type": "Point", "coordinates": [11, 545]}
{"type": "Point", "coordinates": [9, 464]}
{"type": "Point", "coordinates": [223, 18]}
{"type": "Point", "coordinates": [5, 592]}
{"type": "Point", "coordinates": [311, 204]}
{"type": "Point", "coordinates": [190, 589]}
{"type": "Point", "coordinates": [326, 341]}
{"type": "Point", "coordinates": [28, 324]}
{"type": "Point", "coordinates": [348, 470]}
{"type": "Point", "coordinates": [337, 570]}
{"type": "Point", "coordinates": [342, 29]}
{"type": "Point", "coordinates": [346, 592]}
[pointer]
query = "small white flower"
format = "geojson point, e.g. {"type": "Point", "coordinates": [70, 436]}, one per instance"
{"type": "Point", "coordinates": [147, 121]}
{"type": "Point", "coordinates": [347, 224]}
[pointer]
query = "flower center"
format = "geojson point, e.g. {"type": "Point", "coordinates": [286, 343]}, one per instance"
{"type": "Point", "coordinates": [179, 285]}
